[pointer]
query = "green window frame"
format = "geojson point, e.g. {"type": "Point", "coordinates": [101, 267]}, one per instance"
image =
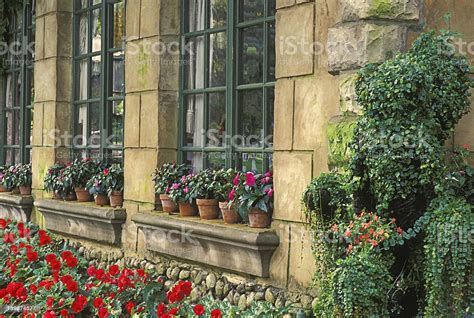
{"type": "Point", "coordinates": [17, 100]}
{"type": "Point", "coordinates": [98, 79]}
{"type": "Point", "coordinates": [227, 83]}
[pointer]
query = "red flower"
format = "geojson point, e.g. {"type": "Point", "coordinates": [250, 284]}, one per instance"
{"type": "Point", "coordinates": [140, 272]}
{"type": "Point", "coordinates": [232, 195]}
{"type": "Point", "coordinates": [103, 313]}
{"type": "Point", "coordinates": [466, 147]}
{"type": "Point", "coordinates": [71, 262]}
{"type": "Point", "coordinates": [79, 303]}
{"type": "Point", "coordinates": [8, 238]}
{"type": "Point", "coordinates": [216, 313]}
{"type": "Point", "coordinates": [129, 307]}
{"type": "Point", "coordinates": [66, 254]}
{"type": "Point", "coordinates": [49, 302]}
{"type": "Point", "coordinates": [114, 270]}
{"type": "Point", "coordinates": [33, 289]}
{"type": "Point", "coordinates": [44, 238]}
{"type": "Point", "coordinates": [50, 257]}
{"type": "Point", "coordinates": [249, 179]}
{"type": "Point", "coordinates": [49, 314]}
{"type": "Point", "coordinates": [91, 270]}
{"type": "Point", "coordinates": [64, 313]}
{"type": "Point", "coordinates": [161, 309]}
{"type": "Point", "coordinates": [100, 274]}
{"type": "Point", "coordinates": [173, 311]}
{"type": "Point", "coordinates": [106, 172]}
{"type": "Point", "coordinates": [236, 180]}
{"type": "Point", "coordinates": [98, 302]}
{"type": "Point", "coordinates": [199, 310]}
{"type": "Point", "coordinates": [72, 286]}
{"type": "Point", "coordinates": [31, 256]}
{"type": "Point", "coordinates": [3, 224]}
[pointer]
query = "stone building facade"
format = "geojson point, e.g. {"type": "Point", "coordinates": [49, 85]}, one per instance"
{"type": "Point", "coordinates": [319, 46]}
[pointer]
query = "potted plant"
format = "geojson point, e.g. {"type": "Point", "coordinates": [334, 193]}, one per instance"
{"type": "Point", "coordinates": [98, 186]}
{"type": "Point", "coordinates": [66, 182]}
{"type": "Point", "coordinates": [10, 179]}
{"type": "Point", "coordinates": [182, 194]}
{"type": "Point", "coordinates": [24, 178]}
{"type": "Point", "coordinates": [254, 195]}
{"type": "Point", "coordinates": [3, 171]}
{"type": "Point", "coordinates": [164, 177]}
{"type": "Point", "coordinates": [224, 185]}
{"type": "Point", "coordinates": [52, 182]}
{"type": "Point", "coordinates": [115, 185]}
{"type": "Point", "coordinates": [81, 170]}
{"type": "Point", "coordinates": [204, 189]}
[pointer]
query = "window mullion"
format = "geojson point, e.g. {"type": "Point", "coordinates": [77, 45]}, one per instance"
{"type": "Point", "coordinates": [229, 162]}
{"type": "Point", "coordinates": [104, 78]}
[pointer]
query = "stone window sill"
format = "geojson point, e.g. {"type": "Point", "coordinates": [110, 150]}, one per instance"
{"type": "Point", "coordinates": [83, 220]}
{"type": "Point", "coordinates": [15, 206]}
{"type": "Point", "coordinates": [236, 248]}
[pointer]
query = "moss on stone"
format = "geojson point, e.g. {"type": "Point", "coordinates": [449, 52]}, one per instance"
{"type": "Point", "coordinates": [381, 8]}
{"type": "Point", "coordinates": [340, 134]}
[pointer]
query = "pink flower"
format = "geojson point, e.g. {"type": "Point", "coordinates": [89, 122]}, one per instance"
{"type": "Point", "coordinates": [183, 179]}
{"type": "Point", "coordinates": [466, 147]}
{"type": "Point", "coordinates": [269, 192]}
{"type": "Point", "coordinates": [268, 174]}
{"type": "Point", "coordinates": [175, 186]}
{"type": "Point", "coordinates": [106, 172]}
{"type": "Point", "coordinates": [186, 190]}
{"type": "Point", "coordinates": [249, 179]}
{"type": "Point", "coordinates": [236, 180]}
{"type": "Point", "coordinates": [232, 195]}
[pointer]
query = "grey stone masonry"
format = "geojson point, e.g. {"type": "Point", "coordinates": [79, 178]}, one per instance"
{"type": "Point", "coordinates": [16, 207]}
{"type": "Point", "coordinates": [234, 248]}
{"type": "Point", "coordinates": [83, 220]}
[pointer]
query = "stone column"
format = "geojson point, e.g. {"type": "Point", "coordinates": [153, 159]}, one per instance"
{"type": "Point", "coordinates": [52, 102]}
{"type": "Point", "coordinates": [151, 103]}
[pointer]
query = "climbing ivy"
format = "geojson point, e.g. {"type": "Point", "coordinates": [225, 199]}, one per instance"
{"type": "Point", "coordinates": [398, 170]}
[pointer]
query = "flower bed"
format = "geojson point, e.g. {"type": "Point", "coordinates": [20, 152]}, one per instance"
{"type": "Point", "coordinates": [41, 278]}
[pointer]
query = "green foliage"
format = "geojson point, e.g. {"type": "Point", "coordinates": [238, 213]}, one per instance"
{"type": "Point", "coordinates": [449, 258]}
{"type": "Point", "coordinates": [81, 170]}
{"type": "Point", "coordinates": [410, 103]}
{"type": "Point", "coordinates": [168, 174]}
{"type": "Point", "coordinates": [252, 190]}
{"type": "Point", "coordinates": [51, 179]}
{"type": "Point", "coordinates": [361, 283]}
{"type": "Point", "coordinates": [327, 197]}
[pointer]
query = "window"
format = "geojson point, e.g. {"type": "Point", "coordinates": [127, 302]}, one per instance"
{"type": "Point", "coordinates": [16, 104]}
{"type": "Point", "coordinates": [227, 84]}
{"type": "Point", "coordinates": [98, 78]}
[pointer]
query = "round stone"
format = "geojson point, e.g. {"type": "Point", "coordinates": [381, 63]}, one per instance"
{"type": "Point", "coordinates": [211, 281]}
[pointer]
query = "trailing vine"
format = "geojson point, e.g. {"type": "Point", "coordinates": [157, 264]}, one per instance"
{"type": "Point", "coordinates": [368, 264]}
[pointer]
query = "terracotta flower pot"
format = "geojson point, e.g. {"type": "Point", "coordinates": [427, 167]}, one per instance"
{"type": "Point", "coordinates": [3, 189]}
{"type": "Point", "coordinates": [229, 213]}
{"type": "Point", "coordinates": [83, 195]}
{"type": "Point", "coordinates": [208, 208]}
{"type": "Point", "coordinates": [101, 199]}
{"type": "Point", "coordinates": [187, 209]}
{"type": "Point", "coordinates": [71, 196]}
{"type": "Point", "coordinates": [168, 205]}
{"type": "Point", "coordinates": [259, 219]}
{"type": "Point", "coordinates": [116, 199]}
{"type": "Point", "coordinates": [25, 190]}
{"type": "Point", "coordinates": [15, 191]}
{"type": "Point", "coordinates": [158, 206]}
{"type": "Point", "coordinates": [56, 196]}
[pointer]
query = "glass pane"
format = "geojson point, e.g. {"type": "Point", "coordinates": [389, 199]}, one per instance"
{"type": "Point", "coordinates": [194, 63]}
{"type": "Point", "coordinates": [270, 118]}
{"type": "Point", "coordinates": [80, 126]}
{"type": "Point", "coordinates": [83, 46]}
{"type": "Point", "coordinates": [196, 9]}
{"type": "Point", "coordinates": [217, 59]}
{"type": "Point", "coordinates": [96, 73]}
{"type": "Point", "coordinates": [216, 160]}
{"type": "Point", "coordinates": [83, 80]}
{"type": "Point", "coordinates": [271, 8]}
{"type": "Point", "coordinates": [217, 119]}
{"type": "Point", "coordinates": [8, 157]}
{"type": "Point", "coordinates": [218, 13]}
{"type": "Point", "coordinates": [9, 91]}
{"type": "Point", "coordinates": [9, 127]}
{"type": "Point", "coordinates": [16, 127]}
{"type": "Point", "coordinates": [195, 160]}
{"type": "Point", "coordinates": [17, 100]}
{"type": "Point", "coordinates": [194, 121]}
{"type": "Point", "coordinates": [115, 137]}
{"type": "Point", "coordinates": [94, 117]}
{"type": "Point", "coordinates": [252, 9]}
{"type": "Point", "coordinates": [94, 2]}
{"type": "Point", "coordinates": [82, 4]}
{"type": "Point", "coordinates": [251, 161]}
{"type": "Point", "coordinates": [114, 156]}
{"type": "Point", "coordinates": [271, 52]}
{"type": "Point", "coordinates": [96, 16]}
{"type": "Point", "coordinates": [251, 118]}
{"type": "Point", "coordinates": [118, 74]}
{"type": "Point", "coordinates": [252, 50]}
{"type": "Point", "coordinates": [119, 24]}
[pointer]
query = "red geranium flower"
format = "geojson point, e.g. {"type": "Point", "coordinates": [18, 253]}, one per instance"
{"type": "Point", "coordinates": [103, 313]}
{"type": "Point", "coordinates": [129, 307]}
{"type": "Point", "coordinates": [79, 303]}
{"type": "Point", "coordinates": [49, 302]}
{"type": "Point", "coordinates": [64, 313]}
{"type": "Point", "coordinates": [3, 224]}
{"type": "Point", "coordinates": [98, 302]}
{"type": "Point", "coordinates": [114, 270]}
{"type": "Point", "coordinates": [216, 313]}
{"type": "Point", "coordinates": [199, 310]}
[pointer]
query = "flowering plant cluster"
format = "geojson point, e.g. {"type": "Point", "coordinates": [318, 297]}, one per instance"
{"type": "Point", "coordinates": [181, 190]}
{"type": "Point", "coordinates": [47, 280]}
{"type": "Point", "coordinates": [166, 175]}
{"type": "Point", "coordinates": [108, 179]}
{"type": "Point", "coordinates": [81, 170]}
{"type": "Point", "coordinates": [368, 231]}
{"type": "Point", "coordinates": [252, 190]}
{"type": "Point", "coordinates": [53, 180]}
{"type": "Point", "coordinates": [15, 176]}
